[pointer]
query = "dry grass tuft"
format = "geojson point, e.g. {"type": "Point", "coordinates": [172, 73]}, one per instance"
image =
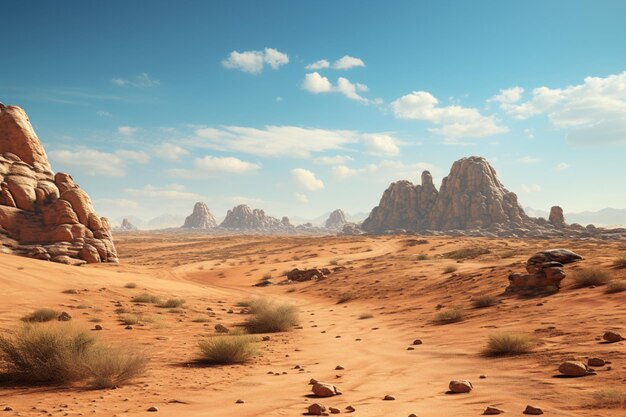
{"type": "Point", "coordinates": [271, 317]}
{"type": "Point", "coordinates": [146, 298]}
{"type": "Point", "coordinates": [484, 301]}
{"type": "Point", "coordinates": [508, 344]}
{"type": "Point", "coordinates": [41, 315]}
{"type": "Point", "coordinates": [450, 316]}
{"type": "Point", "coordinates": [620, 262]}
{"type": "Point", "coordinates": [71, 291]}
{"type": "Point", "coordinates": [422, 257]}
{"type": "Point", "coordinates": [172, 303]}
{"type": "Point", "coordinates": [345, 297]}
{"type": "Point", "coordinates": [130, 319]}
{"type": "Point", "coordinates": [450, 269]}
{"type": "Point", "coordinates": [130, 285]}
{"type": "Point", "coordinates": [615, 286]}
{"type": "Point", "coordinates": [227, 349]}
{"type": "Point", "coordinates": [592, 276]}
{"type": "Point", "coordinates": [466, 253]}
{"type": "Point", "coordinates": [610, 398]}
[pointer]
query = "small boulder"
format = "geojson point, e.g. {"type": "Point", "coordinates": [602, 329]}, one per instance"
{"type": "Point", "coordinates": [573, 368]}
{"type": "Point", "coordinates": [492, 411]}
{"type": "Point", "coordinates": [389, 398]}
{"type": "Point", "coordinates": [533, 411]}
{"type": "Point", "coordinates": [325, 390]}
{"type": "Point", "coordinates": [612, 337]}
{"type": "Point", "coordinates": [596, 362]}
{"type": "Point", "coordinates": [334, 410]}
{"type": "Point", "coordinates": [153, 409]}
{"type": "Point", "coordinates": [460, 387]}
{"type": "Point", "coordinates": [316, 409]}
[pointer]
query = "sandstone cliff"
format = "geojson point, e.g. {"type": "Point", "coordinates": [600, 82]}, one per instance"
{"type": "Point", "coordinates": [200, 218]}
{"type": "Point", "coordinates": [42, 214]}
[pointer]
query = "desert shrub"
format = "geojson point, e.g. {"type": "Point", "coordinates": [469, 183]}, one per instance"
{"type": "Point", "coordinates": [422, 257]}
{"type": "Point", "coordinates": [201, 320]}
{"type": "Point", "coordinates": [450, 316]}
{"type": "Point", "coordinates": [266, 276]}
{"type": "Point", "coordinates": [508, 344]}
{"type": "Point", "coordinates": [345, 297]}
{"type": "Point", "coordinates": [41, 315]}
{"type": "Point", "coordinates": [588, 277]}
{"type": "Point", "coordinates": [60, 353]}
{"type": "Point", "coordinates": [620, 261]}
{"type": "Point", "coordinates": [365, 316]}
{"type": "Point", "coordinates": [616, 286]}
{"type": "Point", "coordinates": [172, 303]}
{"type": "Point", "coordinates": [450, 269]}
{"type": "Point", "coordinates": [146, 298]}
{"type": "Point", "coordinates": [466, 253]}
{"type": "Point", "coordinates": [227, 349]}
{"type": "Point", "coordinates": [70, 291]}
{"type": "Point", "coordinates": [130, 319]}
{"type": "Point", "coordinates": [610, 398]}
{"type": "Point", "coordinates": [271, 317]}
{"type": "Point", "coordinates": [483, 301]}
{"type": "Point", "coordinates": [130, 285]}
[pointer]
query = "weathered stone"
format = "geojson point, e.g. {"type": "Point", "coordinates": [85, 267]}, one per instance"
{"type": "Point", "coordinates": [200, 218]}
{"type": "Point", "coordinates": [336, 220]}
{"type": "Point", "coordinates": [460, 387]}
{"type": "Point", "coordinates": [573, 368]}
{"type": "Point", "coordinates": [557, 219]}
{"type": "Point", "coordinates": [316, 409]}
{"type": "Point", "coordinates": [321, 389]}
{"type": "Point", "coordinates": [533, 411]}
{"type": "Point", "coordinates": [612, 337]}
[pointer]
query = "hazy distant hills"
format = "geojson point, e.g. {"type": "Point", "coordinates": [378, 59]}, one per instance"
{"type": "Point", "coordinates": [320, 220]}
{"type": "Point", "coordinates": [604, 217]}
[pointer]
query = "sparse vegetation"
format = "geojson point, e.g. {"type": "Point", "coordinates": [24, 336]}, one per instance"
{"type": "Point", "coordinates": [201, 320]}
{"type": "Point", "coordinates": [60, 353]}
{"type": "Point", "coordinates": [591, 276]}
{"type": "Point", "coordinates": [450, 269]}
{"type": "Point", "coordinates": [610, 398]}
{"type": "Point", "coordinates": [41, 315]}
{"type": "Point", "coordinates": [146, 298]}
{"type": "Point", "coordinates": [616, 286]}
{"type": "Point", "coordinates": [484, 301]}
{"type": "Point", "coordinates": [345, 297]}
{"type": "Point", "coordinates": [271, 317]}
{"type": "Point", "coordinates": [508, 344]}
{"type": "Point", "coordinates": [450, 316]}
{"type": "Point", "coordinates": [620, 262]}
{"type": "Point", "coordinates": [466, 253]}
{"type": "Point", "coordinates": [227, 349]}
{"type": "Point", "coordinates": [172, 303]}
{"type": "Point", "coordinates": [422, 257]}
{"type": "Point", "coordinates": [130, 319]}
{"type": "Point", "coordinates": [130, 285]}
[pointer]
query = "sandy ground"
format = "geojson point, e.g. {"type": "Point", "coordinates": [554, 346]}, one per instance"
{"type": "Point", "coordinates": [382, 278]}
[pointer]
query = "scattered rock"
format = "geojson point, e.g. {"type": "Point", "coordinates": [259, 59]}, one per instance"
{"type": "Point", "coordinates": [350, 409]}
{"type": "Point", "coordinates": [389, 398]}
{"type": "Point", "coordinates": [321, 389]}
{"type": "Point", "coordinates": [596, 362]}
{"type": "Point", "coordinates": [239, 402]}
{"type": "Point", "coordinates": [417, 342]}
{"type": "Point", "coordinates": [545, 270]}
{"type": "Point", "coordinates": [98, 327]}
{"type": "Point", "coordinates": [612, 337]}
{"type": "Point", "coordinates": [533, 411]}
{"type": "Point", "coordinates": [302, 275]}
{"type": "Point", "coordinates": [339, 368]}
{"type": "Point", "coordinates": [7, 408]}
{"type": "Point", "coordinates": [316, 409]}
{"type": "Point", "coordinates": [492, 411]}
{"type": "Point", "coordinates": [334, 410]}
{"type": "Point", "coordinates": [153, 409]}
{"type": "Point", "coordinates": [460, 387]}
{"type": "Point", "coordinates": [573, 368]}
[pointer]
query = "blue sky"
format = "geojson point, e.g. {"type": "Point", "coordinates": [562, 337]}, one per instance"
{"type": "Point", "coordinates": [303, 107]}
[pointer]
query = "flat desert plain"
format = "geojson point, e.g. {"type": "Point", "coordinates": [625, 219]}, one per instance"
{"type": "Point", "coordinates": [356, 327]}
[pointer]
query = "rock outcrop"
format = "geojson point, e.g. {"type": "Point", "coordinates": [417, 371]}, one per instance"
{"type": "Point", "coordinates": [126, 226]}
{"type": "Point", "coordinates": [557, 219]}
{"type": "Point", "coordinates": [242, 217]}
{"type": "Point", "coordinates": [200, 218]}
{"type": "Point", "coordinates": [403, 206]}
{"type": "Point", "coordinates": [545, 271]}
{"type": "Point", "coordinates": [45, 215]}
{"type": "Point", "coordinates": [336, 220]}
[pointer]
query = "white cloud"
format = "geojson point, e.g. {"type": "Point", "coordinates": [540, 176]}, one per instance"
{"type": "Point", "coordinates": [306, 179]}
{"type": "Point", "coordinates": [254, 61]}
{"type": "Point", "coordinates": [530, 133]}
{"type": "Point", "coordinates": [530, 189]}
{"type": "Point", "coordinates": [381, 144]}
{"type": "Point", "coordinates": [594, 111]}
{"type": "Point", "coordinates": [508, 95]}
{"type": "Point", "coordinates": [116, 203]}
{"type": "Point", "coordinates": [170, 151]}
{"type": "Point", "coordinates": [127, 130]}
{"type": "Point", "coordinates": [142, 80]}
{"type": "Point", "coordinates": [302, 198]}
{"type": "Point", "coordinates": [316, 83]}
{"type": "Point", "coordinates": [94, 162]}
{"type": "Point", "coordinates": [347, 62]}
{"type": "Point", "coordinates": [332, 160]}
{"type": "Point", "coordinates": [529, 160]}
{"type": "Point", "coordinates": [455, 121]}
{"type": "Point", "coordinates": [172, 191]}
{"type": "Point", "coordinates": [231, 165]}
{"type": "Point", "coordinates": [321, 64]}
{"type": "Point", "coordinates": [386, 170]}
{"type": "Point", "coordinates": [562, 166]}
{"type": "Point", "coordinates": [275, 141]}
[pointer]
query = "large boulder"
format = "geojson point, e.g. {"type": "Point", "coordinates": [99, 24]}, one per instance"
{"type": "Point", "coordinates": [200, 218]}
{"type": "Point", "coordinates": [556, 218]}
{"type": "Point", "coordinates": [544, 271]}
{"type": "Point", "coordinates": [45, 215]}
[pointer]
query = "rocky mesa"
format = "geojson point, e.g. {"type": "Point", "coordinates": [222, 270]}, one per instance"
{"type": "Point", "coordinates": [42, 214]}
{"type": "Point", "coordinates": [243, 217]}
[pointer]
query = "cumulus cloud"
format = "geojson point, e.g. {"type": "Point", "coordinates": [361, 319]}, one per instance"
{"type": "Point", "coordinates": [93, 162]}
{"type": "Point", "coordinates": [142, 80]}
{"type": "Point", "coordinates": [316, 83]}
{"type": "Point", "coordinates": [127, 130]}
{"type": "Point", "coordinates": [386, 170]}
{"type": "Point", "coordinates": [529, 160]}
{"type": "Point", "coordinates": [116, 203]}
{"type": "Point", "coordinates": [172, 191]}
{"type": "Point", "coordinates": [332, 160]}
{"type": "Point", "coordinates": [453, 121]}
{"type": "Point", "coordinates": [307, 179]}
{"type": "Point", "coordinates": [562, 166]}
{"type": "Point", "coordinates": [302, 198]}
{"type": "Point", "coordinates": [231, 165]}
{"type": "Point", "coordinates": [254, 61]}
{"type": "Point", "coordinates": [170, 151]}
{"type": "Point", "coordinates": [381, 144]}
{"type": "Point", "coordinates": [508, 95]}
{"type": "Point", "coordinates": [593, 112]}
{"type": "Point", "coordinates": [321, 64]}
{"type": "Point", "coordinates": [347, 62]}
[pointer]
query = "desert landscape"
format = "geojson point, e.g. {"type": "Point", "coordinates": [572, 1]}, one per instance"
{"type": "Point", "coordinates": [248, 229]}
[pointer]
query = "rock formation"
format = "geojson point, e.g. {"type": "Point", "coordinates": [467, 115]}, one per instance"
{"type": "Point", "coordinates": [244, 218]}
{"type": "Point", "coordinates": [126, 226]}
{"type": "Point", "coordinates": [42, 214]}
{"type": "Point", "coordinates": [545, 271]}
{"type": "Point", "coordinates": [200, 218]}
{"type": "Point", "coordinates": [336, 220]}
{"type": "Point", "coordinates": [403, 206]}
{"type": "Point", "coordinates": [557, 219]}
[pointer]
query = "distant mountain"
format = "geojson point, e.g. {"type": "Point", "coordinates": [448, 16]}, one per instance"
{"type": "Point", "coordinates": [604, 217]}
{"type": "Point", "coordinates": [320, 220]}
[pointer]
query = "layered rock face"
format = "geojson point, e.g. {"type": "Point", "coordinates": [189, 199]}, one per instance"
{"type": "Point", "coordinates": [472, 197]}
{"type": "Point", "coordinates": [200, 218]}
{"type": "Point", "coordinates": [403, 206]}
{"type": "Point", "coordinates": [336, 220]}
{"type": "Point", "coordinates": [245, 218]}
{"type": "Point", "coordinates": [42, 214]}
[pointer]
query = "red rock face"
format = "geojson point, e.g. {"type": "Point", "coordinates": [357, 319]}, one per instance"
{"type": "Point", "coordinates": [47, 216]}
